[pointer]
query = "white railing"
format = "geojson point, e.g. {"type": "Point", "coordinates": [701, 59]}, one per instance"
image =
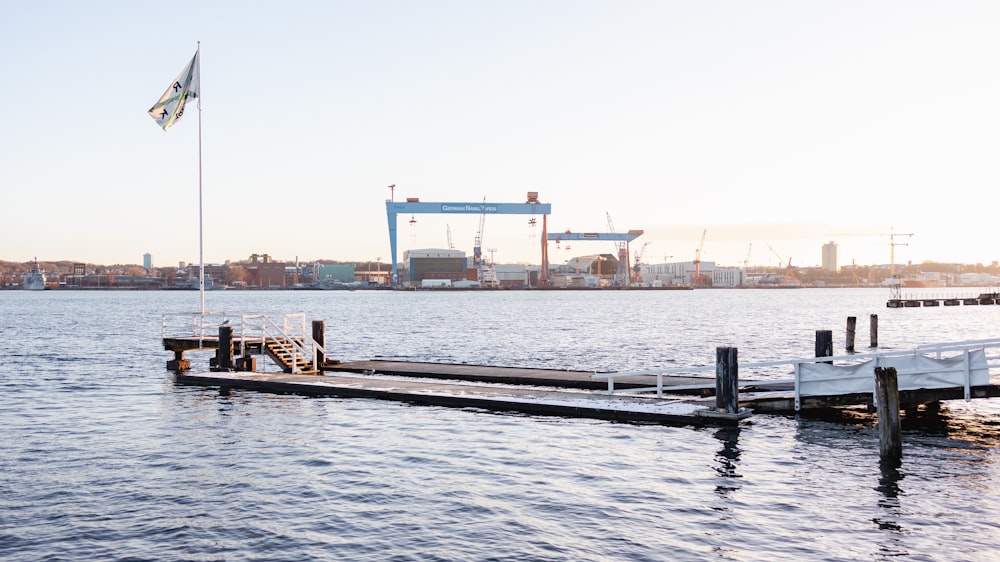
{"type": "Point", "coordinates": [290, 335]}
{"type": "Point", "coordinates": [193, 324]}
{"type": "Point", "coordinates": [946, 365]}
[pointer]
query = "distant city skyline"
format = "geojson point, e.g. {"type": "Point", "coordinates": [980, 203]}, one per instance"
{"type": "Point", "coordinates": [148, 261]}
{"type": "Point", "coordinates": [772, 127]}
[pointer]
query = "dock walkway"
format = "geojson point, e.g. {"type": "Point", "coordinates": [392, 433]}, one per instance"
{"type": "Point", "coordinates": [674, 396]}
{"type": "Point", "coordinates": [486, 396]}
{"type": "Point", "coordinates": [504, 375]}
{"type": "Point", "coordinates": [918, 302]}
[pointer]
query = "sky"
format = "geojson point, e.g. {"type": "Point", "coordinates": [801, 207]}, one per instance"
{"type": "Point", "coordinates": [768, 128]}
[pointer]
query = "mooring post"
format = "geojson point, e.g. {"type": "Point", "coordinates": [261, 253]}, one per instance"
{"type": "Point", "coordinates": [224, 355]}
{"type": "Point", "coordinates": [873, 322]}
{"type": "Point", "coordinates": [727, 387]}
{"type": "Point", "coordinates": [890, 436]}
{"type": "Point", "coordinates": [319, 336]}
{"type": "Point", "coordinates": [852, 322]}
{"type": "Point", "coordinates": [824, 344]}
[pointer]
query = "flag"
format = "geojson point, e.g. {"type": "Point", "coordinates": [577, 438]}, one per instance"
{"type": "Point", "coordinates": [170, 108]}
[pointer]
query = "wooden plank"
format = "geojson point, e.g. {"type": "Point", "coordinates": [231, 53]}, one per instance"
{"type": "Point", "coordinates": [188, 343]}
{"type": "Point", "coordinates": [510, 375]}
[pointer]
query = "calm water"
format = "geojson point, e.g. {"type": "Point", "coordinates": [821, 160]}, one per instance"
{"type": "Point", "coordinates": [105, 459]}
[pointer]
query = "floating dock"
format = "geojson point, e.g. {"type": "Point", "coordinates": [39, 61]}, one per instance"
{"type": "Point", "coordinates": [675, 396]}
{"type": "Point", "coordinates": [911, 302]}
{"type": "Point", "coordinates": [549, 401]}
{"type": "Point", "coordinates": [686, 400]}
{"type": "Point", "coordinates": [583, 380]}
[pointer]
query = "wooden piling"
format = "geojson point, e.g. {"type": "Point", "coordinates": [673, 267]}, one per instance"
{"type": "Point", "coordinates": [890, 436]}
{"type": "Point", "coordinates": [824, 344]}
{"type": "Point", "coordinates": [852, 322]}
{"type": "Point", "coordinates": [179, 364]}
{"type": "Point", "coordinates": [319, 336]}
{"type": "Point", "coordinates": [727, 390]}
{"type": "Point", "coordinates": [873, 322]}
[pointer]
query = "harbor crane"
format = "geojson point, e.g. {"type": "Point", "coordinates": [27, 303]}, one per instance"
{"type": "Point", "coordinates": [636, 265]}
{"type": "Point", "coordinates": [413, 205]}
{"type": "Point", "coordinates": [697, 260]}
{"type": "Point", "coordinates": [486, 273]}
{"type": "Point", "coordinates": [477, 246]}
{"type": "Point", "coordinates": [621, 276]}
{"type": "Point", "coordinates": [789, 278]}
{"type": "Point", "coordinates": [894, 285]}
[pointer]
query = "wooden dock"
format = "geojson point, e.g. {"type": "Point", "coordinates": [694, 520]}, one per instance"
{"type": "Point", "coordinates": [686, 400]}
{"type": "Point", "coordinates": [507, 375]}
{"type": "Point", "coordinates": [492, 397]}
{"type": "Point", "coordinates": [674, 396]}
{"type": "Point", "coordinates": [508, 389]}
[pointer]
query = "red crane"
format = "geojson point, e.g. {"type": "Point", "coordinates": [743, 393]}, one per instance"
{"type": "Point", "coordinates": [636, 265]}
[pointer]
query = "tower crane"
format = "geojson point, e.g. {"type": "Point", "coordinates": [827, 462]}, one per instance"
{"type": "Point", "coordinates": [477, 246]}
{"type": "Point", "coordinates": [451, 245]}
{"type": "Point", "coordinates": [485, 272]}
{"type": "Point", "coordinates": [746, 266]}
{"type": "Point", "coordinates": [622, 247]}
{"type": "Point", "coordinates": [894, 287]}
{"type": "Point", "coordinates": [697, 259]}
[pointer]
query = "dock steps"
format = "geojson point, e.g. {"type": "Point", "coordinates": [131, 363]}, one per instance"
{"type": "Point", "coordinates": [237, 337]}
{"type": "Point", "coordinates": [279, 352]}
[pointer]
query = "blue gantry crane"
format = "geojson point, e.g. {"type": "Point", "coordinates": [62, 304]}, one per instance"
{"type": "Point", "coordinates": [414, 206]}
{"type": "Point", "coordinates": [617, 237]}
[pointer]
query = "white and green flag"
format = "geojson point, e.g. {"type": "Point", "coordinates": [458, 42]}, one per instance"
{"type": "Point", "coordinates": [170, 108]}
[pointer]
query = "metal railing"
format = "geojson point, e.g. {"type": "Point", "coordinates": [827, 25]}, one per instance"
{"type": "Point", "coordinates": [289, 336]}
{"type": "Point", "coordinates": [958, 364]}
{"type": "Point", "coordinates": [200, 325]}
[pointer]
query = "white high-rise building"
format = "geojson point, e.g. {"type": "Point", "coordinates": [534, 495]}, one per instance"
{"type": "Point", "coordinates": [830, 256]}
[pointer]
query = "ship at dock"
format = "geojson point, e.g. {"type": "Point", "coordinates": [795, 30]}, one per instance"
{"type": "Point", "coordinates": [35, 279]}
{"type": "Point", "coordinates": [922, 283]}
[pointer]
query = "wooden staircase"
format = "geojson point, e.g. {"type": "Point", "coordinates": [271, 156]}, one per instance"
{"type": "Point", "coordinates": [279, 350]}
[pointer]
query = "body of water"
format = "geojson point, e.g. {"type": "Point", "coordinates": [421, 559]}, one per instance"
{"type": "Point", "coordinates": [104, 458]}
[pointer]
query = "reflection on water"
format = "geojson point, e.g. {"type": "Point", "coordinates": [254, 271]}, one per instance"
{"type": "Point", "coordinates": [726, 460]}
{"type": "Point", "coordinates": [891, 511]}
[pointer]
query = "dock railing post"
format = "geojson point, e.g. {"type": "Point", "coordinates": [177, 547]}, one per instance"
{"type": "Point", "coordinates": [852, 323]}
{"type": "Point", "coordinates": [319, 336]}
{"type": "Point", "coordinates": [824, 343]}
{"type": "Point", "coordinates": [727, 387]}
{"type": "Point", "coordinates": [873, 323]}
{"type": "Point", "coordinates": [224, 355]}
{"type": "Point", "coordinates": [887, 403]}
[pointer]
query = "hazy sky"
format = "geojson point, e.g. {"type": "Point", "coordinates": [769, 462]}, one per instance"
{"type": "Point", "coordinates": [779, 125]}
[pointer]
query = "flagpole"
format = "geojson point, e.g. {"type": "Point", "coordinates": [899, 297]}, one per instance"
{"type": "Point", "coordinates": [201, 242]}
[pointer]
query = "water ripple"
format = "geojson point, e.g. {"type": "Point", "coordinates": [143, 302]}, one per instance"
{"type": "Point", "coordinates": [106, 459]}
